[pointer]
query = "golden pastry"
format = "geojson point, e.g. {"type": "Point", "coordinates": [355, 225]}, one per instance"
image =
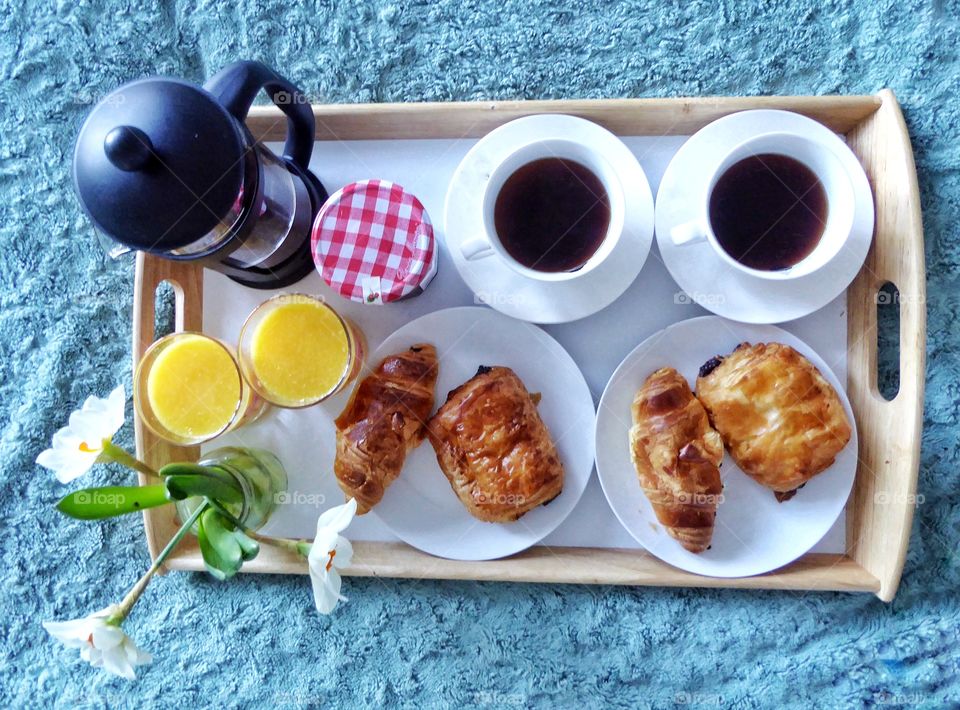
{"type": "Point", "coordinates": [383, 421]}
{"type": "Point", "coordinates": [782, 422]}
{"type": "Point", "coordinates": [494, 449]}
{"type": "Point", "coordinates": [677, 456]}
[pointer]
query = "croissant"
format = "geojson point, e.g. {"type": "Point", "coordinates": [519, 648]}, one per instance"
{"type": "Point", "coordinates": [782, 422]}
{"type": "Point", "coordinates": [677, 456]}
{"type": "Point", "coordinates": [383, 421]}
{"type": "Point", "coordinates": [494, 448]}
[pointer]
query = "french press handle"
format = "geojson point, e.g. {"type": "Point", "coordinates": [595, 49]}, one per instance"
{"type": "Point", "coordinates": [237, 85]}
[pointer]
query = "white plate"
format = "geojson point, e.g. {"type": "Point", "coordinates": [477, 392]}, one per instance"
{"type": "Point", "coordinates": [754, 533]}
{"type": "Point", "coordinates": [420, 507]}
{"type": "Point", "coordinates": [502, 288]}
{"type": "Point", "coordinates": [711, 281]}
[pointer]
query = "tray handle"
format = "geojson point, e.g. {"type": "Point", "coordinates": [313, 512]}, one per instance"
{"type": "Point", "coordinates": [880, 512]}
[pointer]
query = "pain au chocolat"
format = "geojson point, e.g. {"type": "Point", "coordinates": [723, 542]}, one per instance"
{"type": "Point", "coordinates": [494, 448]}
{"type": "Point", "coordinates": [781, 421]}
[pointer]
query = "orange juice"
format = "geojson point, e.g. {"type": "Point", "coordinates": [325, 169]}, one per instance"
{"type": "Point", "coordinates": [297, 351]}
{"type": "Point", "coordinates": [188, 389]}
{"type": "Point", "coordinates": [194, 387]}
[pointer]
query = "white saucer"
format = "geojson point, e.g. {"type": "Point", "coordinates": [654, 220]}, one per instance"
{"type": "Point", "coordinates": [493, 282]}
{"type": "Point", "coordinates": [707, 278]}
{"type": "Point", "coordinates": [420, 507]}
{"type": "Point", "coordinates": [754, 533]}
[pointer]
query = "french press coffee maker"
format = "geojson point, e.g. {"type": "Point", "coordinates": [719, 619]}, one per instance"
{"type": "Point", "coordinates": [166, 167]}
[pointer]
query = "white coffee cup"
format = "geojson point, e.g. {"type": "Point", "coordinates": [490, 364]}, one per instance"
{"type": "Point", "coordinates": [488, 244]}
{"type": "Point", "coordinates": [836, 184]}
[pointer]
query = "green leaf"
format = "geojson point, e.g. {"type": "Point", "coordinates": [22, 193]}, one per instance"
{"type": "Point", "coordinates": [187, 469]}
{"type": "Point", "coordinates": [185, 480]}
{"type": "Point", "coordinates": [183, 487]}
{"type": "Point", "coordinates": [221, 550]}
{"type": "Point", "coordinates": [249, 548]}
{"type": "Point", "coordinates": [195, 469]}
{"type": "Point", "coordinates": [110, 501]}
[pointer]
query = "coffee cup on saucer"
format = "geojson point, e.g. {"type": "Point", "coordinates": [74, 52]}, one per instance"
{"type": "Point", "coordinates": [778, 206]}
{"type": "Point", "coordinates": [552, 210]}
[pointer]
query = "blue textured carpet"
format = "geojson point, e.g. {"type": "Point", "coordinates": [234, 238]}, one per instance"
{"type": "Point", "coordinates": [65, 324]}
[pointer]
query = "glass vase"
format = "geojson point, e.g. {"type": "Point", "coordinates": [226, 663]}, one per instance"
{"type": "Point", "coordinates": [260, 476]}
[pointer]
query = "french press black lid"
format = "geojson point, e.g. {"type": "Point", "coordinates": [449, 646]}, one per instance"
{"type": "Point", "coordinates": [167, 167]}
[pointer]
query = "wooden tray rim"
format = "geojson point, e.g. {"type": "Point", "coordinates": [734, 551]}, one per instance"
{"type": "Point", "coordinates": [877, 535]}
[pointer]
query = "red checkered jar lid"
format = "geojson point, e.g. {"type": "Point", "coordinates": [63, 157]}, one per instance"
{"type": "Point", "coordinates": [373, 243]}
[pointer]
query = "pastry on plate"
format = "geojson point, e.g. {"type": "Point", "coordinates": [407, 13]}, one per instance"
{"type": "Point", "coordinates": [782, 422]}
{"type": "Point", "coordinates": [677, 455]}
{"type": "Point", "coordinates": [493, 447]}
{"type": "Point", "coordinates": [384, 420]}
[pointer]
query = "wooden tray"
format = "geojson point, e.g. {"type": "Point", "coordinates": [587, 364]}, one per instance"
{"type": "Point", "coordinates": [880, 509]}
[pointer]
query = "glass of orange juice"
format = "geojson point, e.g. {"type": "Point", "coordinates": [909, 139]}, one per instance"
{"type": "Point", "coordinates": [188, 389]}
{"type": "Point", "coordinates": [296, 350]}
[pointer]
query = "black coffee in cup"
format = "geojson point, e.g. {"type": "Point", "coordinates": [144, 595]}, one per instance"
{"type": "Point", "coordinates": [552, 215]}
{"type": "Point", "coordinates": [768, 211]}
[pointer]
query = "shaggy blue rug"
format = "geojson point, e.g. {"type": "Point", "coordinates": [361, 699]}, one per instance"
{"type": "Point", "coordinates": [64, 333]}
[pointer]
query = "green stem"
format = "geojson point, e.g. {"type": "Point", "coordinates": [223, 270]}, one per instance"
{"type": "Point", "coordinates": [281, 542]}
{"type": "Point", "coordinates": [112, 452]}
{"type": "Point", "coordinates": [123, 609]}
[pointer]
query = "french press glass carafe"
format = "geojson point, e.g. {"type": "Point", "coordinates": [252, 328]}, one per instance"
{"type": "Point", "coordinates": [166, 167]}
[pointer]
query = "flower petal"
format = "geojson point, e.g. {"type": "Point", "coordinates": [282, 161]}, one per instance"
{"type": "Point", "coordinates": [338, 517]}
{"type": "Point", "coordinates": [98, 418]}
{"type": "Point", "coordinates": [66, 465]}
{"type": "Point", "coordinates": [326, 590]}
{"type": "Point", "coordinates": [116, 404]}
{"type": "Point", "coordinates": [90, 427]}
{"type": "Point", "coordinates": [84, 426]}
{"type": "Point", "coordinates": [72, 472]}
{"type": "Point", "coordinates": [344, 555]}
{"type": "Point", "coordinates": [50, 458]}
{"type": "Point", "coordinates": [136, 656]}
{"type": "Point", "coordinates": [66, 439]}
{"type": "Point", "coordinates": [325, 541]}
{"type": "Point", "coordinates": [107, 637]}
{"type": "Point", "coordinates": [323, 598]}
{"type": "Point", "coordinates": [115, 661]}
{"type": "Point", "coordinates": [72, 634]}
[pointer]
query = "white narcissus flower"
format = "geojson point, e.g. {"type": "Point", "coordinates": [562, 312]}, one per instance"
{"type": "Point", "coordinates": [330, 551]}
{"type": "Point", "coordinates": [101, 644]}
{"type": "Point", "coordinates": [80, 444]}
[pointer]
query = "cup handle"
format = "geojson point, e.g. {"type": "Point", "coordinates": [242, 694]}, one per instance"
{"type": "Point", "coordinates": [688, 233]}
{"type": "Point", "coordinates": [476, 248]}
